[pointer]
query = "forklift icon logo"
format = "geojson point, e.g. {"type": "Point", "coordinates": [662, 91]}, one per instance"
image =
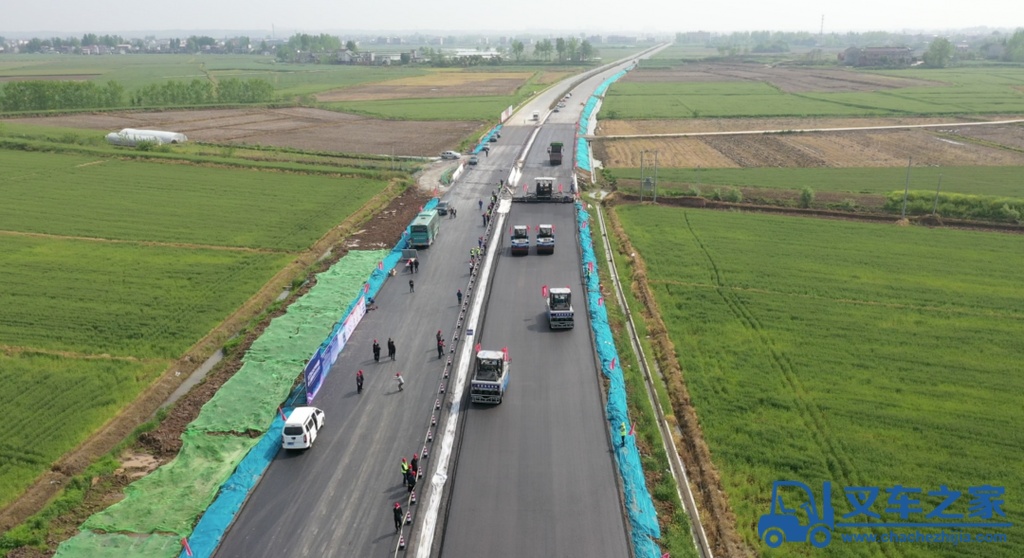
{"type": "Point", "coordinates": [783, 524]}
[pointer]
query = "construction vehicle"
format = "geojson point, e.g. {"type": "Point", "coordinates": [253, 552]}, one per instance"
{"type": "Point", "coordinates": [560, 313]}
{"type": "Point", "coordinates": [545, 239]}
{"type": "Point", "coordinates": [544, 186]}
{"type": "Point", "coordinates": [555, 153]}
{"type": "Point", "coordinates": [782, 523]}
{"type": "Point", "coordinates": [520, 240]}
{"type": "Point", "coordinates": [490, 379]}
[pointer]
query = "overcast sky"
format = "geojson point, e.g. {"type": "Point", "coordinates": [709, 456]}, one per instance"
{"type": "Point", "coordinates": [74, 17]}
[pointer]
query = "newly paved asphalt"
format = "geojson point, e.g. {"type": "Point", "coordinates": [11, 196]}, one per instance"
{"type": "Point", "coordinates": [535, 475]}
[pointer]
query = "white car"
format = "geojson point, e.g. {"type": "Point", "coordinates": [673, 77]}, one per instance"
{"type": "Point", "coordinates": [451, 155]}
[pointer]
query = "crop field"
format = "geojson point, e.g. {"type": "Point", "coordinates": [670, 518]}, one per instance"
{"type": "Point", "coordinates": [864, 355]}
{"type": "Point", "coordinates": [434, 84]}
{"type": "Point", "coordinates": [113, 268]}
{"type": "Point", "coordinates": [746, 91]}
{"type": "Point", "coordinates": [59, 401]}
{"type": "Point", "coordinates": [139, 70]}
{"type": "Point", "coordinates": [941, 147]}
{"type": "Point", "coordinates": [988, 181]}
{"type": "Point", "coordinates": [78, 196]}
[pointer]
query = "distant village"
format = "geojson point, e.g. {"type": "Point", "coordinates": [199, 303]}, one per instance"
{"type": "Point", "coordinates": [868, 49]}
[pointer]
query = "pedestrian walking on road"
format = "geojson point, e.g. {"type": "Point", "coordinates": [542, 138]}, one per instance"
{"type": "Point", "coordinates": [480, 242]}
{"type": "Point", "coordinates": [440, 348]}
{"type": "Point", "coordinates": [415, 464]}
{"type": "Point", "coordinates": [455, 213]}
{"type": "Point", "coordinates": [438, 336]}
{"type": "Point", "coordinates": [359, 381]}
{"type": "Point", "coordinates": [480, 204]}
{"type": "Point", "coordinates": [458, 295]}
{"type": "Point", "coordinates": [404, 466]}
{"type": "Point", "coordinates": [376, 351]}
{"type": "Point", "coordinates": [483, 218]}
{"type": "Point", "coordinates": [391, 349]}
{"type": "Point", "coordinates": [401, 386]}
{"type": "Point", "coordinates": [412, 288]}
{"type": "Point", "coordinates": [622, 432]}
{"type": "Point", "coordinates": [416, 265]}
{"type": "Point", "coordinates": [399, 516]}
{"type": "Point", "coordinates": [411, 480]}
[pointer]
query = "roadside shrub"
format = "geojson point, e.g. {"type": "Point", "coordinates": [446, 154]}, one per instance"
{"type": "Point", "coordinates": [146, 146]}
{"type": "Point", "coordinates": [716, 194]}
{"type": "Point", "coordinates": [806, 197]}
{"type": "Point", "coordinates": [733, 195]}
{"type": "Point", "coordinates": [692, 191]}
{"type": "Point", "coordinates": [1007, 213]}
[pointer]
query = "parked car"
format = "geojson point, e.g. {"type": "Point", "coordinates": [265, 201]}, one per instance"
{"type": "Point", "coordinates": [451, 155]}
{"type": "Point", "coordinates": [442, 208]}
{"type": "Point", "coordinates": [473, 160]}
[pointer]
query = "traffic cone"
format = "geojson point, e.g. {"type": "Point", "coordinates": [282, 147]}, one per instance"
{"type": "Point", "coordinates": [412, 497]}
{"type": "Point", "coordinates": [401, 543]}
{"type": "Point", "coordinates": [423, 453]}
{"type": "Point", "coordinates": [433, 420]}
{"type": "Point", "coordinates": [408, 518]}
{"type": "Point", "coordinates": [437, 405]}
{"type": "Point", "coordinates": [430, 435]}
{"type": "Point", "coordinates": [441, 389]}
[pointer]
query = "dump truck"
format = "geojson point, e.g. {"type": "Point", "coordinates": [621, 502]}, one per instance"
{"type": "Point", "coordinates": [555, 153]}
{"type": "Point", "coordinates": [560, 313]}
{"type": "Point", "coordinates": [545, 239]}
{"type": "Point", "coordinates": [490, 378]}
{"type": "Point", "coordinates": [520, 240]}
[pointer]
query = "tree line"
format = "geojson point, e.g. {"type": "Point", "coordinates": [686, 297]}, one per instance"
{"type": "Point", "coordinates": [39, 95]}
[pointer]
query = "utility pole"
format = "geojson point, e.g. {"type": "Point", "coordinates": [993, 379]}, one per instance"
{"type": "Point", "coordinates": [935, 204]}
{"type": "Point", "coordinates": [906, 189]}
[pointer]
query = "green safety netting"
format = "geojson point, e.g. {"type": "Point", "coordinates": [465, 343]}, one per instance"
{"type": "Point", "coordinates": [643, 517]}
{"type": "Point", "coordinates": [250, 398]}
{"type": "Point", "coordinates": [89, 545]}
{"type": "Point", "coordinates": [169, 499]}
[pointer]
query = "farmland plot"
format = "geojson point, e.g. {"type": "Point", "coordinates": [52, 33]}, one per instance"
{"type": "Point", "coordinates": [859, 354]}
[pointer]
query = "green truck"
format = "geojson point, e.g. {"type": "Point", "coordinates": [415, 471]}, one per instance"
{"type": "Point", "coordinates": [555, 153]}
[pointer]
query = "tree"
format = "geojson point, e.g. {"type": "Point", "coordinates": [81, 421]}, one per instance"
{"type": "Point", "coordinates": [587, 51]}
{"type": "Point", "coordinates": [1015, 47]}
{"type": "Point", "coordinates": [351, 46]}
{"type": "Point", "coordinates": [560, 48]}
{"type": "Point", "coordinates": [517, 50]}
{"type": "Point", "coordinates": [543, 49]}
{"type": "Point", "coordinates": [572, 47]}
{"type": "Point", "coordinates": [940, 52]}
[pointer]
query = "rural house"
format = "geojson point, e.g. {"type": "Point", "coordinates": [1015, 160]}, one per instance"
{"type": "Point", "coordinates": [877, 56]}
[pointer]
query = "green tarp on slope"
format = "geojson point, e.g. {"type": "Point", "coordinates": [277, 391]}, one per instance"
{"type": "Point", "coordinates": [169, 499]}
{"type": "Point", "coordinates": [250, 398]}
{"type": "Point", "coordinates": [90, 545]}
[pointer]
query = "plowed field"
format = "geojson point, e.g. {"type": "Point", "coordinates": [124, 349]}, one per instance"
{"type": "Point", "coordinates": [433, 85]}
{"type": "Point", "coordinates": [997, 145]}
{"type": "Point", "coordinates": [301, 128]}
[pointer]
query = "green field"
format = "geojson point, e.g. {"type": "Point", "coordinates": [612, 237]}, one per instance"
{"type": "Point", "coordinates": [865, 355]}
{"type": "Point", "coordinates": [990, 181]}
{"type": "Point", "coordinates": [94, 197]}
{"type": "Point", "coordinates": [442, 108]}
{"type": "Point", "coordinates": [136, 71]}
{"type": "Point", "coordinates": [959, 91]}
{"type": "Point", "coordinates": [58, 402]}
{"type": "Point", "coordinates": [111, 268]}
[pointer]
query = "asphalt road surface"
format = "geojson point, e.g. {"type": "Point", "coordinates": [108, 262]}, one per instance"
{"type": "Point", "coordinates": [535, 475]}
